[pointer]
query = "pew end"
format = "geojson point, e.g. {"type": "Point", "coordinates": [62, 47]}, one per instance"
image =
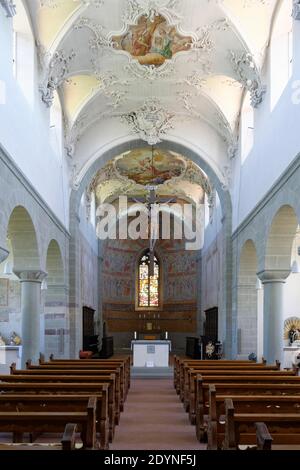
{"type": "Point", "coordinates": [12, 368]}
{"type": "Point", "coordinates": [263, 437]}
{"type": "Point", "coordinates": [69, 437]}
{"type": "Point", "coordinates": [42, 358]}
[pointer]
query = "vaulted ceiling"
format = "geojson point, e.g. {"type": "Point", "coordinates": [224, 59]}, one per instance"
{"type": "Point", "coordinates": [151, 63]}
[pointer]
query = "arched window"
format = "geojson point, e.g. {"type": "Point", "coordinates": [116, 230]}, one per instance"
{"type": "Point", "coordinates": [148, 283]}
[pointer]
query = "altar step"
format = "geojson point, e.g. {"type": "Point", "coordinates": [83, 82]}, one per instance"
{"type": "Point", "coordinates": [152, 372]}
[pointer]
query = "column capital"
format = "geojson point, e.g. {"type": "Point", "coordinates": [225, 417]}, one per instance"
{"type": "Point", "coordinates": [270, 276]}
{"type": "Point", "coordinates": [3, 254]}
{"type": "Point", "coordinates": [9, 7]}
{"type": "Point", "coordinates": [296, 10]}
{"type": "Point", "coordinates": [30, 275]}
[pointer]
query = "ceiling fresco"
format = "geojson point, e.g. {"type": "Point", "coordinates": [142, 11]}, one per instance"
{"type": "Point", "coordinates": [132, 174]}
{"type": "Point", "coordinates": [148, 166]}
{"type": "Point", "coordinates": [152, 41]}
{"type": "Point", "coordinates": [195, 58]}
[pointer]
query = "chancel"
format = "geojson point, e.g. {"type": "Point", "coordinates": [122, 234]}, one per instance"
{"type": "Point", "coordinates": [149, 224]}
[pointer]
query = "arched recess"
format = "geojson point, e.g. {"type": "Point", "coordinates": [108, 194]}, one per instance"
{"type": "Point", "coordinates": [247, 321]}
{"type": "Point", "coordinates": [22, 236]}
{"type": "Point", "coordinates": [227, 322]}
{"type": "Point", "coordinates": [55, 297]}
{"type": "Point", "coordinates": [278, 260]}
{"type": "Point", "coordinates": [280, 239]}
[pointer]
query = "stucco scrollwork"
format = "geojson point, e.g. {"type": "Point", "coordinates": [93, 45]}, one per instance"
{"type": "Point", "coordinates": [151, 121]}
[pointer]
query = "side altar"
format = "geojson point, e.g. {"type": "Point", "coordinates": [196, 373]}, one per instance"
{"type": "Point", "coordinates": [151, 353]}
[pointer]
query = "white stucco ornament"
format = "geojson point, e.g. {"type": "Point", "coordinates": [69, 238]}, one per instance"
{"type": "Point", "coordinates": [151, 122]}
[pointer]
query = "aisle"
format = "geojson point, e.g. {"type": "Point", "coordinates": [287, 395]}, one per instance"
{"type": "Point", "coordinates": [154, 419]}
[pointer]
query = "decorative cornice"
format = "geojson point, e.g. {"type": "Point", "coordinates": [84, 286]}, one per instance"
{"type": "Point", "coordinates": [296, 10]}
{"type": "Point", "coordinates": [6, 159]}
{"type": "Point", "coordinates": [9, 7]}
{"type": "Point", "coordinates": [247, 73]}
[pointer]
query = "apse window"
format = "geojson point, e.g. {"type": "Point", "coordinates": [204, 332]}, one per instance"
{"type": "Point", "coordinates": [148, 281]}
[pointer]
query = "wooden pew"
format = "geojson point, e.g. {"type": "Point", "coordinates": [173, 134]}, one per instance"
{"type": "Point", "coordinates": [67, 442]}
{"type": "Point", "coordinates": [61, 388]}
{"type": "Point", "coordinates": [263, 437]}
{"type": "Point", "coordinates": [189, 393]}
{"type": "Point", "coordinates": [256, 404]}
{"type": "Point", "coordinates": [63, 376]}
{"type": "Point", "coordinates": [186, 368]}
{"type": "Point", "coordinates": [72, 370]}
{"type": "Point", "coordinates": [20, 422]}
{"type": "Point", "coordinates": [126, 360]}
{"type": "Point", "coordinates": [240, 428]}
{"type": "Point", "coordinates": [180, 362]}
{"type": "Point", "coordinates": [60, 403]}
{"type": "Point", "coordinates": [228, 385]}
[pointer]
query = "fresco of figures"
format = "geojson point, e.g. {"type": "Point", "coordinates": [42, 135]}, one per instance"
{"type": "Point", "coordinates": [145, 167]}
{"type": "Point", "coordinates": [152, 42]}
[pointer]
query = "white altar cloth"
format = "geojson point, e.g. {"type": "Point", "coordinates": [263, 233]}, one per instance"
{"type": "Point", "coordinates": [153, 353]}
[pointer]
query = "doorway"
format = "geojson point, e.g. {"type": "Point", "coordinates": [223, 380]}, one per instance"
{"type": "Point", "coordinates": [88, 331]}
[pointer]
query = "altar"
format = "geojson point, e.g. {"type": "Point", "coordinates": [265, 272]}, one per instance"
{"type": "Point", "coordinates": [152, 353]}
{"type": "Point", "coordinates": [8, 355]}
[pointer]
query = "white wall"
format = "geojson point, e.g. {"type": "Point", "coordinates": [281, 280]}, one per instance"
{"type": "Point", "coordinates": [276, 141]}
{"type": "Point", "coordinates": [25, 128]}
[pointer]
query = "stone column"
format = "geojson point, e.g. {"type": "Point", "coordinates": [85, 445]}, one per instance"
{"type": "Point", "coordinates": [260, 319]}
{"type": "Point", "coordinates": [273, 281]}
{"type": "Point", "coordinates": [30, 312]}
{"type": "Point", "coordinates": [3, 254]}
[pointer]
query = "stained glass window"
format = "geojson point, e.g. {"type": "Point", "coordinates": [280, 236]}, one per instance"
{"type": "Point", "coordinates": [148, 284]}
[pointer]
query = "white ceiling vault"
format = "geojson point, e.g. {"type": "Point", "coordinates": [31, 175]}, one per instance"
{"type": "Point", "coordinates": [152, 63]}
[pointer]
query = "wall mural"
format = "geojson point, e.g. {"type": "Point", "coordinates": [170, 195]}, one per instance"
{"type": "Point", "coordinates": [179, 285]}
{"type": "Point", "coordinates": [152, 42]}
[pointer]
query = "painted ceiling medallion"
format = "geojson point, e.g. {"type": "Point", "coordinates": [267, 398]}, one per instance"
{"type": "Point", "coordinates": [152, 41]}
{"type": "Point", "coordinates": [146, 167]}
{"type": "Point", "coordinates": [151, 122]}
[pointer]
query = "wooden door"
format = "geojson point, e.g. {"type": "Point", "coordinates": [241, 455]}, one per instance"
{"type": "Point", "coordinates": [211, 324]}
{"type": "Point", "coordinates": [87, 326]}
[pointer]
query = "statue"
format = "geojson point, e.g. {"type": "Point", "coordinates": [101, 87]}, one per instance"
{"type": "Point", "coordinates": [2, 342]}
{"type": "Point", "coordinates": [294, 335]}
{"type": "Point", "coordinates": [14, 339]}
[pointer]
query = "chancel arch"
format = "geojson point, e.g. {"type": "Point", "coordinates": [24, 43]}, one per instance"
{"type": "Point", "coordinates": [225, 321]}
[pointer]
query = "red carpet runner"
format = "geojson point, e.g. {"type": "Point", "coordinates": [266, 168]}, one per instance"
{"type": "Point", "coordinates": [154, 419]}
